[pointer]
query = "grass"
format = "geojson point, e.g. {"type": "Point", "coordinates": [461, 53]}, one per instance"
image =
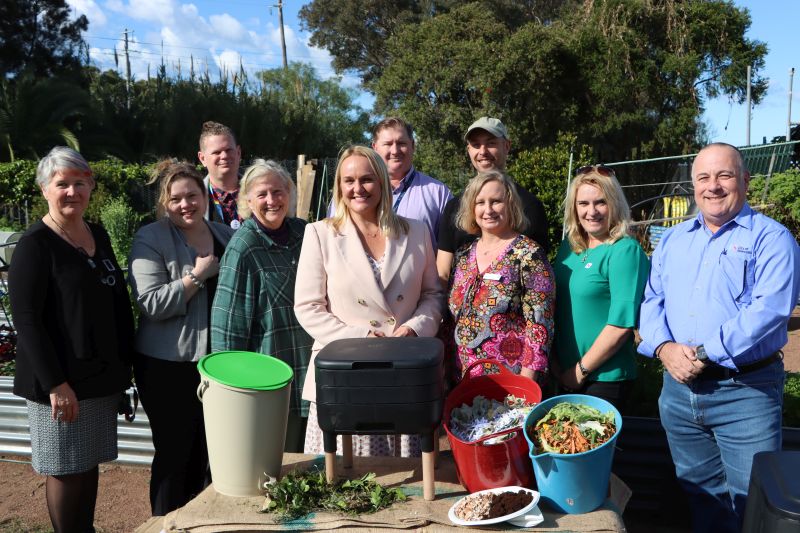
{"type": "Point", "coordinates": [15, 525]}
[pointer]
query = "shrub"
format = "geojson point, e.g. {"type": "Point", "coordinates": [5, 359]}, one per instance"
{"type": "Point", "coordinates": [545, 172]}
{"type": "Point", "coordinates": [783, 198]}
{"type": "Point", "coordinates": [791, 400]}
{"type": "Point", "coordinates": [120, 221]}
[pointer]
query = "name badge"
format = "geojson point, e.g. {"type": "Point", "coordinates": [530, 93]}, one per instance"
{"type": "Point", "coordinates": [235, 224]}
{"type": "Point", "coordinates": [493, 277]}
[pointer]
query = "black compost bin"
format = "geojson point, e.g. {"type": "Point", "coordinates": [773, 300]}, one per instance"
{"type": "Point", "coordinates": [773, 500]}
{"type": "Point", "coordinates": [380, 385]}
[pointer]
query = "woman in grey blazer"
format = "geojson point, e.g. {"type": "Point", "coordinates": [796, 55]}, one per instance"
{"type": "Point", "coordinates": [173, 276]}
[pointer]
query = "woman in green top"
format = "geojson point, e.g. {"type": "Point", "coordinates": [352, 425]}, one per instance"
{"type": "Point", "coordinates": [600, 275]}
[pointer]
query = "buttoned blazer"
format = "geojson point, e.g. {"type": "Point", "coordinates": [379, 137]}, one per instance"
{"type": "Point", "coordinates": [338, 297]}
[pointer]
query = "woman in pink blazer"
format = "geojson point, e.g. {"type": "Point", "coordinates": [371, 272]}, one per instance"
{"type": "Point", "coordinates": [365, 272]}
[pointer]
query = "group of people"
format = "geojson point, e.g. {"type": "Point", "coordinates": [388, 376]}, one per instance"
{"type": "Point", "coordinates": [227, 266]}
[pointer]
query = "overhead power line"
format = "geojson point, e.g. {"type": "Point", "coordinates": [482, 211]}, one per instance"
{"type": "Point", "coordinates": [240, 51]}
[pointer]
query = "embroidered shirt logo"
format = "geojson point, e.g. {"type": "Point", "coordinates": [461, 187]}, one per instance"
{"type": "Point", "coordinates": [741, 249]}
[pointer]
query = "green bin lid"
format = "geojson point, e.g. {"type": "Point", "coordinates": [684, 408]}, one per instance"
{"type": "Point", "coordinates": [246, 370]}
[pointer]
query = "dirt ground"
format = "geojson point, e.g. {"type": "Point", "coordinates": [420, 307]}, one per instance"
{"type": "Point", "coordinates": [123, 504]}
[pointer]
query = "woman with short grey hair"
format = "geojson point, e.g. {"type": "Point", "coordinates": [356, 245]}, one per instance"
{"type": "Point", "coordinates": [75, 332]}
{"type": "Point", "coordinates": [254, 305]}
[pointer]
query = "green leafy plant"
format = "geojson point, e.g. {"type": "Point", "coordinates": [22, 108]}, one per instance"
{"type": "Point", "coordinates": [120, 221]}
{"type": "Point", "coordinates": [791, 400]}
{"type": "Point", "coordinates": [782, 198]}
{"type": "Point", "coordinates": [545, 172]}
{"type": "Point", "coordinates": [300, 493]}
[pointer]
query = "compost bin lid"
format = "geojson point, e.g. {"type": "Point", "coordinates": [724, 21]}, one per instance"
{"type": "Point", "coordinates": [246, 370]}
{"type": "Point", "coordinates": [776, 472]}
{"type": "Point", "coordinates": [402, 353]}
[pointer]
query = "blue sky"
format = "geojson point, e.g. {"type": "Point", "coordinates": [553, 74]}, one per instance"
{"type": "Point", "coordinates": [221, 33]}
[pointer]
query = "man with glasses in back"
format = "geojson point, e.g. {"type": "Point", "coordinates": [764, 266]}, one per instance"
{"type": "Point", "coordinates": [721, 290]}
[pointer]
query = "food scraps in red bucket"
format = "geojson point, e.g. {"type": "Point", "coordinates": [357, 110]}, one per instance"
{"type": "Point", "coordinates": [486, 417]}
{"type": "Point", "coordinates": [570, 428]}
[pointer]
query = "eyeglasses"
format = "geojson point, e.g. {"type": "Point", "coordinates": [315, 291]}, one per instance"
{"type": "Point", "coordinates": [603, 170]}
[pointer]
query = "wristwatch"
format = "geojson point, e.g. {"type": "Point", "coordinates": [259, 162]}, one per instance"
{"type": "Point", "coordinates": [584, 371]}
{"type": "Point", "coordinates": [700, 353]}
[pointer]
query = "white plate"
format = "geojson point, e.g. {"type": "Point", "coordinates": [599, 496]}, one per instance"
{"type": "Point", "coordinates": [525, 510]}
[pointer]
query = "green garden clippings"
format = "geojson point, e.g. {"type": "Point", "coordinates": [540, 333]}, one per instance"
{"type": "Point", "coordinates": [300, 493]}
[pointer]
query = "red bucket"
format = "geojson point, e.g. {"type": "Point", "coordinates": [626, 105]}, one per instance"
{"type": "Point", "coordinates": [481, 466]}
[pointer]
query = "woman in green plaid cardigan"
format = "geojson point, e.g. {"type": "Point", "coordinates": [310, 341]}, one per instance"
{"type": "Point", "coordinates": [254, 305]}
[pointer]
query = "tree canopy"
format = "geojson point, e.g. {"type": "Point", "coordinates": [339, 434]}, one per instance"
{"type": "Point", "coordinates": [629, 78]}
{"type": "Point", "coordinates": [38, 36]}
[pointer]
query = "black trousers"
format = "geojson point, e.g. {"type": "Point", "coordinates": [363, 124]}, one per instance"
{"type": "Point", "coordinates": [180, 469]}
{"type": "Point", "coordinates": [617, 393]}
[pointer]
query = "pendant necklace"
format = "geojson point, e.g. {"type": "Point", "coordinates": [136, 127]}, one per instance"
{"type": "Point", "coordinates": [80, 249]}
{"type": "Point", "coordinates": [495, 247]}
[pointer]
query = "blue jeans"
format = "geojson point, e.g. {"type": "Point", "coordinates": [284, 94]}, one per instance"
{"type": "Point", "coordinates": [714, 428]}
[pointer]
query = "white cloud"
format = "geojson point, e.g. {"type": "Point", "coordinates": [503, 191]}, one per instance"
{"type": "Point", "coordinates": [161, 11]}
{"type": "Point", "coordinates": [228, 60]}
{"type": "Point", "coordinates": [227, 27]}
{"type": "Point", "coordinates": [216, 34]}
{"type": "Point", "coordinates": [91, 10]}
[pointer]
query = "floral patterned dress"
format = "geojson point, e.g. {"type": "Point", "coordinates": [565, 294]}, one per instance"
{"type": "Point", "coordinates": [505, 312]}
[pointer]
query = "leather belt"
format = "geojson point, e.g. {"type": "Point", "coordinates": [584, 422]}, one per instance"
{"type": "Point", "coordinates": [714, 372]}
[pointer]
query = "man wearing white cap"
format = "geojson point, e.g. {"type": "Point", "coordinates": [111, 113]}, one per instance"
{"type": "Point", "coordinates": [488, 146]}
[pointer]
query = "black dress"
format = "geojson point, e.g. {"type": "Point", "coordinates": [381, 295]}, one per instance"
{"type": "Point", "coordinates": [74, 325]}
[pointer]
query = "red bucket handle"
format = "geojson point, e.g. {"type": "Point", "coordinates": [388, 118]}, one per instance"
{"type": "Point", "coordinates": [503, 369]}
{"type": "Point", "coordinates": [498, 434]}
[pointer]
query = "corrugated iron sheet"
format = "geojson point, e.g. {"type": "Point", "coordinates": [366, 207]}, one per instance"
{"type": "Point", "coordinates": [134, 441]}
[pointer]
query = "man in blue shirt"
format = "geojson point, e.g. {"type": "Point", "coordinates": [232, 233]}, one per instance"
{"type": "Point", "coordinates": [721, 290]}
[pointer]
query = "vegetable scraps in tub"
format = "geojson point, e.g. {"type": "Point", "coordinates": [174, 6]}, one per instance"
{"type": "Point", "coordinates": [570, 428]}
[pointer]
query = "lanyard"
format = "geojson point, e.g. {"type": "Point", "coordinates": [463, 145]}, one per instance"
{"type": "Point", "coordinates": [235, 221]}
{"type": "Point", "coordinates": [408, 181]}
{"type": "Point", "coordinates": [217, 202]}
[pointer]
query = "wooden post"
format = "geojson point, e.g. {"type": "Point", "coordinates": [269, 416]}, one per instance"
{"type": "Point", "coordinates": [305, 186]}
{"type": "Point", "coordinates": [347, 451]}
{"type": "Point", "coordinates": [330, 466]}
{"type": "Point", "coordinates": [428, 477]}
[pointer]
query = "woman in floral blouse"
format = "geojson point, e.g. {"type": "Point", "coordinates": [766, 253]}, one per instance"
{"type": "Point", "coordinates": [502, 292]}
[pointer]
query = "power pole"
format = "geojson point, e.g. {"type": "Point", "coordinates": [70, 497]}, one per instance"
{"type": "Point", "coordinates": [279, 5]}
{"type": "Point", "coordinates": [127, 72]}
{"type": "Point", "coordinates": [789, 120]}
{"type": "Point", "coordinates": [749, 103]}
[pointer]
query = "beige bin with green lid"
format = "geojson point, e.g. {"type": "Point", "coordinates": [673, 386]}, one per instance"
{"type": "Point", "coordinates": [245, 399]}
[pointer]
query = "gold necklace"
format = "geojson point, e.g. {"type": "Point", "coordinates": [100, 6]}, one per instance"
{"type": "Point", "coordinates": [495, 247]}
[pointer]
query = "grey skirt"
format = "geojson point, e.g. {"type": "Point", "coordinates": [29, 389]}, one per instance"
{"type": "Point", "coordinates": [61, 448]}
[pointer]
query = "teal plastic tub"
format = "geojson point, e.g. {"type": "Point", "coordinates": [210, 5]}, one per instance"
{"type": "Point", "coordinates": [573, 483]}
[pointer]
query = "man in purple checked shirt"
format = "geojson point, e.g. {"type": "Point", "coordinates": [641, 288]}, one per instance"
{"type": "Point", "coordinates": [414, 195]}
